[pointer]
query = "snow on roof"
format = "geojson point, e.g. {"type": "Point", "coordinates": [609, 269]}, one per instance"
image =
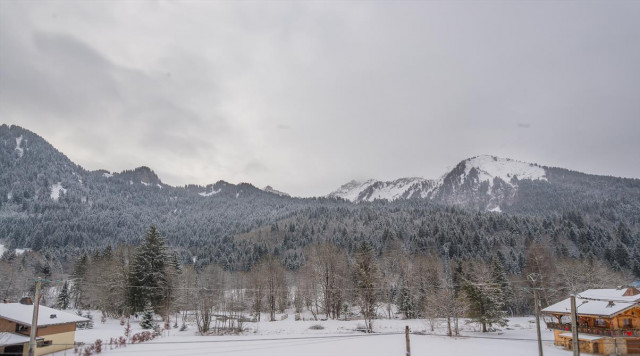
{"type": "Point", "coordinates": [582, 336]}
{"type": "Point", "coordinates": [22, 314]}
{"type": "Point", "coordinates": [7, 339]}
{"type": "Point", "coordinates": [600, 302]}
{"type": "Point", "coordinates": [611, 294]}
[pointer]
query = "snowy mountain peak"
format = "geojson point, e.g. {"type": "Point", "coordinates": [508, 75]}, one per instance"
{"type": "Point", "coordinates": [456, 186]}
{"type": "Point", "coordinates": [269, 189]}
{"type": "Point", "coordinates": [490, 167]}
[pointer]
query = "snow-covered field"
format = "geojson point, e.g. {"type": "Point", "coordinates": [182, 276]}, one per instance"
{"type": "Point", "coordinates": [289, 337]}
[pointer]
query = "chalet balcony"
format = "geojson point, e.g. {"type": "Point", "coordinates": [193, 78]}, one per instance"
{"type": "Point", "coordinates": [593, 330]}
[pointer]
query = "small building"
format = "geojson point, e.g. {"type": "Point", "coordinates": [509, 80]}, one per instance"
{"type": "Point", "coordinates": [13, 344]}
{"type": "Point", "coordinates": [608, 321]}
{"type": "Point", "coordinates": [55, 330]}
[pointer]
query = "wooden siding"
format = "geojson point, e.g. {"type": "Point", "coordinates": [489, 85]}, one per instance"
{"type": "Point", "coordinates": [55, 329]}
{"type": "Point", "coordinates": [8, 326]}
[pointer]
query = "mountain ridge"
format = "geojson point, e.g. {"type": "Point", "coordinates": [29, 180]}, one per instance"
{"type": "Point", "coordinates": [482, 182]}
{"type": "Point", "coordinates": [48, 203]}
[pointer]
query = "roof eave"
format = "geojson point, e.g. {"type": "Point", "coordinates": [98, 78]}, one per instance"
{"type": "Point", "coordinates": [47, 324]}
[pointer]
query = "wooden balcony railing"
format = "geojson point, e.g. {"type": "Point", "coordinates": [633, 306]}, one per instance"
{"type": "Point", "coordinates": [592, 330]}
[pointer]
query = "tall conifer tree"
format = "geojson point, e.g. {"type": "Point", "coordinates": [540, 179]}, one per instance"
{"type": "Point", "coordinates": [148, 280]}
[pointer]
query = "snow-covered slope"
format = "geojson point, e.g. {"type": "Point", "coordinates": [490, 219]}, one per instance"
{"type": "Point", "coordinates": [483, 181]}
{"type": "Point", "coordinates": [486, 182]}
{"type": "Point", "coordinates": [370, 190]}
{"type": "Point", "coordinates": [19, 148]}
{"type": "Point", "coordinates": [56, 189]}
{"type": "Point", "coordinates": [351, 190]}
{"type": "Point", "coordinates": [490, 167]}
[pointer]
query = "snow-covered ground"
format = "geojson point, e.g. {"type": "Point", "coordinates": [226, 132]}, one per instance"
{"type": "Point", "coordinates": [291, 338]}
{"type": "Point", "coordinates": [18, 146]}
{"type": "Point", "coordinates": [56, 189]}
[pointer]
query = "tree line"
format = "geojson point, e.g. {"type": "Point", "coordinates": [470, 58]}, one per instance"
{"type": "Point", "coordinates": [333, 283]}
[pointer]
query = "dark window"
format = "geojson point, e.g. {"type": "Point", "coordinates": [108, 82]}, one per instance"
{"type": "Point", "coordinates": [43, 343]}
{"type": "Point", "coordinates": [14, 349]}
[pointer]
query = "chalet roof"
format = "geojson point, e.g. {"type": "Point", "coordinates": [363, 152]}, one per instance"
{"type": "Point", "coordinates": [598, 302]}
{"type": "Point", "coordinates": [7, 339]}
{"type": "Point", "coordinates": [22, 314]}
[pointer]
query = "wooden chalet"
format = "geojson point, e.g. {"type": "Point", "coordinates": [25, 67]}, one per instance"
{"type": "Point", "coordinates": [608, 321]}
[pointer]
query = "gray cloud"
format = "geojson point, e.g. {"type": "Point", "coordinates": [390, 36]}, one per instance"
{"type": "Point", "coordinates": [202, 91]}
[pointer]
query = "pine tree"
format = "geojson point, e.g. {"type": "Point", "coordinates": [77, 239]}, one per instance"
{"type": "Point", "coordinates": [405, 300]}
{"type": "Point", "coordinates": [63, 297]}
{"type": "Point", "coordinates": [148, 280]}
{"type": "Point", "coordinates": [89, 324]}
{"type": "Point", "coordinates": [81, 325]}
{"type": "Point", "coordinates": [503, 292]}
{"type": "Point", "coordinates": [147, 317]}
{"type": "Point", "coordinates": [485, 299]}
{"type": "Point", "coordinates": [78, 276]}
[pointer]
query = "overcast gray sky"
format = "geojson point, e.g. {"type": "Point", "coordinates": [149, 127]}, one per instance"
{"type": "Point", "coordinates": [305, 96]}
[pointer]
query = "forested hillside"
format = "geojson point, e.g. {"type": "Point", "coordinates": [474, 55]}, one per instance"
{"type": "Point", "coordinates": [51, 205]}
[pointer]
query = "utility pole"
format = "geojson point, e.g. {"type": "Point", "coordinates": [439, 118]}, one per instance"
{"type": "Point", "coordinates": [406, 336]}
{"type": "Point", "coordinates": [533, 277]}
{"type": "Point", "coordinates": [574, 326]}
{"type": "Point", "coordinates": [34, 319]}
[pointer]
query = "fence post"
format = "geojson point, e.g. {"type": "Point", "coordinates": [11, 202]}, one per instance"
{"type": "Point", "coordinates": [406, 335]}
